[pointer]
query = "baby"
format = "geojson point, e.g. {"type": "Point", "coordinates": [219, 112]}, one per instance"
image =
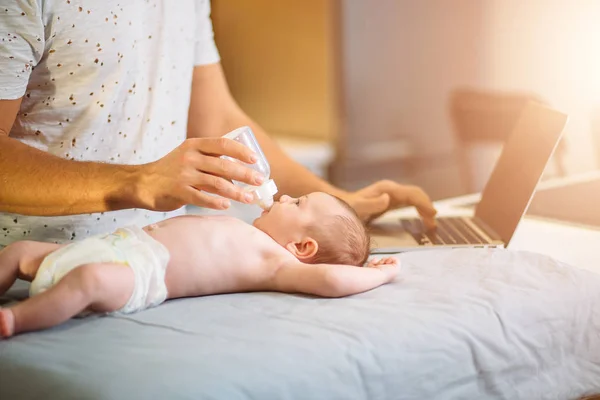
{"type": "Point", "coordinates": [312, 244]}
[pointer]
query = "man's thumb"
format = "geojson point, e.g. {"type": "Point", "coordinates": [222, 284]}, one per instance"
{"type": "Point", "coordinates": [379, 204]}
{"type": "Point", "coordinates": [368, 208]}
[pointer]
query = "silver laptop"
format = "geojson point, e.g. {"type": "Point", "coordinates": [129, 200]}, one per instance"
{"type": "Point", "coordinates": [504, 199]}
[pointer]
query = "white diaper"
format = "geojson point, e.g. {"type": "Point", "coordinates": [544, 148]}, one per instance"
{"type": "Point", "coordinates": [130, 246]}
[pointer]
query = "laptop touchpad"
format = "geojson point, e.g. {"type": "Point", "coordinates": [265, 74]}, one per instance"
{"type": "Point", "coordinates": [390, 234]}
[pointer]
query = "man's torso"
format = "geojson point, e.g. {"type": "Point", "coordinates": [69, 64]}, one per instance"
{"type": "Point", "coordinates": [112, 85]}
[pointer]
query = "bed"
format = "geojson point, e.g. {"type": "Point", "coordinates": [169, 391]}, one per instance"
{"type": "Point", "coordinates": [457, 324]}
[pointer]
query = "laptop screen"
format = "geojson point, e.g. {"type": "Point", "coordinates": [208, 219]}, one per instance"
{"type": "Point", "coordinates": [512, 183]}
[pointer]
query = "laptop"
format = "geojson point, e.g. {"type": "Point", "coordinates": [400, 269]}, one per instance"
{"type": "Point", "coordinates": [504, 200]}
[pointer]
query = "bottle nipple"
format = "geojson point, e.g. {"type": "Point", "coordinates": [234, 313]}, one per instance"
{"type": "Point", "coordinates": [266, 204]}
{"type": "Point", "coordinates": [264, 194]}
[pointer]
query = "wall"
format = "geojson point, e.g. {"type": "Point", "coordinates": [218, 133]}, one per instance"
{"type": "Point", "coordinates": [551, 47]}
{"type": "Point", "coordinates": [279, 58]}
{"type": "Point", "coordinates": [401, 59]}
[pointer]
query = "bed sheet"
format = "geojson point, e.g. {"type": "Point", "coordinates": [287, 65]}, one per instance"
{"type": "Point", "coordinates": [456, 324]}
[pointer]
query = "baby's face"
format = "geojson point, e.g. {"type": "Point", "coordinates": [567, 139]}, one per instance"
{"type": "Point", "coordinates": [289, 218]}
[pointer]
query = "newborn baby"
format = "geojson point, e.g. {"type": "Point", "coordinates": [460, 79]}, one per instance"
{"type": "Point", "coordinates": [313, 244]}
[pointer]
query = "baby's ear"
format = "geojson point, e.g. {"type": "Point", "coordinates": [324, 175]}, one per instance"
{"type": "Point", "coordinates": [303, 250]}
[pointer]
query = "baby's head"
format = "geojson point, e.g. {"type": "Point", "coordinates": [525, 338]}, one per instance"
{"type": "Point", "coordinates": [317, 229]}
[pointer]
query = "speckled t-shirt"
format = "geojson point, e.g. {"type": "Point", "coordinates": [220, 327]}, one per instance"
{"type": "Point", "coordinates": [101, 80]}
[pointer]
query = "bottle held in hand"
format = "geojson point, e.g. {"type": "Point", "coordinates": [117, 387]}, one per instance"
{"type": "Point", "coordinates": [263, 194]}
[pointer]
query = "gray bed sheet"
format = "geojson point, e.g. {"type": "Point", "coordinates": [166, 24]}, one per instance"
{"type": "Point", "coordinates": [457, 324]}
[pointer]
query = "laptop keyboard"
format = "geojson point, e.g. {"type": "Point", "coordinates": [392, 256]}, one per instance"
{"type": "Point", "coordinates": [449, 230]}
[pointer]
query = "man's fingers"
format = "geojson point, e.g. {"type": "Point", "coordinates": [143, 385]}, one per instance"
{"type": "Point", "coordinates": [196, 166]}
{"type": "Point", "coordinates": [419, 199]}
{"type": "Point", "coordinates": [377, 204]}
{"type": "Point", "coordinates": [223, 147]}
{"type": "Point", "coordinates": [429, 222]}
{"type": "Point", "coordinates": [197, 198]}
{"type": "Point", "coordinates": [371, 207]}
{"type": "Point", "coordinates": [427, 216]}
{"type": "Point", "coordinates": [222, 187]}
{"type": "Point", "coordinates": [403, 195]}
{"type": "Point", "coordinates": [228, 169]}
{"type": "Point", "coordinates": [416, 197]}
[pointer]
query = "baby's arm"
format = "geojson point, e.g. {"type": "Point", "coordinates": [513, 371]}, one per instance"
{"type": "Point", "coordinates": [329, 280]}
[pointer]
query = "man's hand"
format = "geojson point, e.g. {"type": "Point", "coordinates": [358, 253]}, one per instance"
{"type": "Point", "coordinates": [388, 265]}
{"type": "Point", "coordinates": [183, 175]}
{"type": "Point", "coordinates": [382, 196]}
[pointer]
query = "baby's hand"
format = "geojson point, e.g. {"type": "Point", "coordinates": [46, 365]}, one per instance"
{"type": "Point", "coordinates": [388, 265]}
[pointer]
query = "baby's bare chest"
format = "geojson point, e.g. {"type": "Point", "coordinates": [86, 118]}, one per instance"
{"type": "Point", "coordinates": [217, 254]}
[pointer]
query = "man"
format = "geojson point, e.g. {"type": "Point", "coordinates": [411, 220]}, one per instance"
{"type": "Point", "coordinates": [111, 113]}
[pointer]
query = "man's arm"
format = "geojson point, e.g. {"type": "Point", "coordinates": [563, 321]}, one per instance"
{"type": "Point", "coordinates": [214, 112]}
{"type": "Point", "coordinates": [33, 182]}
{"type": "Point", "coordinates": [37, 183]}
{"type": "Point", "coordinates": [329, 280]}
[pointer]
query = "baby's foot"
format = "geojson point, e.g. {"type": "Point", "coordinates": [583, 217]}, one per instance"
{"type": "Point", "coordinates": [7, 323]}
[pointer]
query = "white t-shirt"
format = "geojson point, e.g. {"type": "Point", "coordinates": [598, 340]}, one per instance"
{"type": "Point", "coordinates": [105, 81]}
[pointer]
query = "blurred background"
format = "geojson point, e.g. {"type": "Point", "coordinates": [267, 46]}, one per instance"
{"type": "Point", "coordinates": [422, 92]}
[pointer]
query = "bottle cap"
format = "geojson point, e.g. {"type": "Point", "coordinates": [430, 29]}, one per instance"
{"type": "Point", "coordinates": [264, 194]}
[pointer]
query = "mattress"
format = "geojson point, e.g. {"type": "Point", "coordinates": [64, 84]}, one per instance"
{"type": "Point", "coordinates": [456, 324]}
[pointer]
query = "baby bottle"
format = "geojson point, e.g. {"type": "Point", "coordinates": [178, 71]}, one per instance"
{"type": "Point", "coordinates": [263, 194]}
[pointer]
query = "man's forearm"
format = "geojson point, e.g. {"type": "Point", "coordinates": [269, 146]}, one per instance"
{"type": "Point", "coordinates": [33, 182]}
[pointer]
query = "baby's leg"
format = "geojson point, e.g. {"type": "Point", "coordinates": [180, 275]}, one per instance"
{"type": "Point", "coordinates": [101, 287]}
{"type": "Point", "coordinates": [22, 259]}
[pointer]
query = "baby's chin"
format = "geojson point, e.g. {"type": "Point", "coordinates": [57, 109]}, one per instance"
{"type": "Point", "coordinates": [258, 223]}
